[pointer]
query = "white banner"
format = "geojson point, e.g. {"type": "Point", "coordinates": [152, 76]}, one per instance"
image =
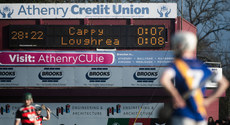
{"type": "Point", "coordinates": [80, 76]}
{"type": "Point", "coordinates": [89, 113]}
{"type": "Point", "coordinates": [87, 10]}
{"type": "Point", "coordinates": [213, 84]}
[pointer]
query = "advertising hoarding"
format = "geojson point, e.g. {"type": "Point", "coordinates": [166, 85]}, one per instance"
{"type": "Point", "coordinates": [85, 58]}
{"type": "Point", "coordinates": [80, 76]}
{"type": "Point", "coordinates": [87, 10]}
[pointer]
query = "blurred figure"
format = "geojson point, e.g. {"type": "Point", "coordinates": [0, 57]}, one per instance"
{"type": "Point", "coordinates": [219, 122]}
{"type": "Point", "coordinates": [211, 121]}
{"type": "Point", "coordinates": [39, 117]}
{"type": "Point", "coordinates": [189, 74]}
{"type": "Point", "coordinates": [26, 114]}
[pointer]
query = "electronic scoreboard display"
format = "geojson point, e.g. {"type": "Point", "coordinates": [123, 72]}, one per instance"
{"type": "Point", "coordinates": [87, 36]}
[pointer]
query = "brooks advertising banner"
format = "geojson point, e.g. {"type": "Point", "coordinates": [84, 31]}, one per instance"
{"type": "Point", "coordinates": [80, 76]}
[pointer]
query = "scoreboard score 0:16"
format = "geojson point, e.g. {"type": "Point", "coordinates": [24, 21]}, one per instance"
{"type": "Point", "coordinates": [87, 36]}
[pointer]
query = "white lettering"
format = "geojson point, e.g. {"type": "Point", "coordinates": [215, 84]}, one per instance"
{"type": "Point", "coordinates": [75, 60]}
{"type": "Point", "coordinates": [41, 59]}
{"type": "Point", "coordinates": [49, 58]}
{"type": "Point", "coordinates": [12, 59]}
{"type": "Point", "coordinates": [23, 58]}
{"type": "Point", "coordinates": [101, 59]}
{"type": "Point", "coordinates": [80, 58]}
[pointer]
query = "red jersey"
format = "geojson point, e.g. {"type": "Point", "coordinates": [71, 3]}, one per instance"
{"type": "Point", "coordinates": [39, 119]}
{"type": "Point", "coordinates": [27, 115]}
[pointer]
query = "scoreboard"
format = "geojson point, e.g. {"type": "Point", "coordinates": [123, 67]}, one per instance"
{"type": "Point", "coordinates": [87, 36]}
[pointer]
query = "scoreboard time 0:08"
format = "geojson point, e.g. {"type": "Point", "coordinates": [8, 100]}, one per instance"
{"type": "Point", "coordinates": [87, 36]}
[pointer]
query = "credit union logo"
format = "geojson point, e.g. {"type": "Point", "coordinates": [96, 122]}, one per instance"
{"type": "Point", "coordinates": [6, 12]}
{"type": "Point", "coordinates": [164, 11]}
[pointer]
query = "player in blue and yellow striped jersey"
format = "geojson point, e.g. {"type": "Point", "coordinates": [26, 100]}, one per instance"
{"type": "Point", "coordinates": [189, 74]}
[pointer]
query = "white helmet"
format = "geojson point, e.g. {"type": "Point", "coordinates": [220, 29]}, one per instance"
{"type": "Point", "coordinates": [182, 41]}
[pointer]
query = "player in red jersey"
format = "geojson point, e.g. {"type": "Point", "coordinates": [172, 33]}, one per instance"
{"type": "Point", "coordinates": [26, 114]}
{"type": "Point", "coordinates": [39, 117]}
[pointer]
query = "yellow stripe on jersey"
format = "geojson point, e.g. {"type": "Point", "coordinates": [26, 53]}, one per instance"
{"type": "Point", "coordinates": [198, 96]}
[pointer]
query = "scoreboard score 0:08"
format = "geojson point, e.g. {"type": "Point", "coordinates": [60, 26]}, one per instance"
{"type": "Point", "coordinates": [87, 36]}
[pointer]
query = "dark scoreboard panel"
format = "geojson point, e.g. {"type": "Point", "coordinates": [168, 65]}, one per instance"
{"type": "Point", "coordinates": [87, 36]}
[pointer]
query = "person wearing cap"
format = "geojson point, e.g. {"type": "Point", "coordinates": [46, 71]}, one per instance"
{"type": "Point", "coordinates": [188, 73]}
{"type": "Point", "coordinates": [39, 117]}
{"type": "Point", "coordinates": [26, 114]}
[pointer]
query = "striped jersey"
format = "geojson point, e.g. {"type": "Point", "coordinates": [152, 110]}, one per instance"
{"type": "Point", "coordinates": [190, 74]}
{"type": "Point", "coordinates": [27, 115]}
{"type": "Point", "coordinates": [39, 119]}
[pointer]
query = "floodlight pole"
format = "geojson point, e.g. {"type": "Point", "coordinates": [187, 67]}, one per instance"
{"type": "Point", "coordinates": [181, 13]}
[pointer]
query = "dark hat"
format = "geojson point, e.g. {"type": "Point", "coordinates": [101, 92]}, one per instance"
{"type": "Point", "coordinates": [38, 108]}
{"type": "Point", "coordinates": [28, 96]}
